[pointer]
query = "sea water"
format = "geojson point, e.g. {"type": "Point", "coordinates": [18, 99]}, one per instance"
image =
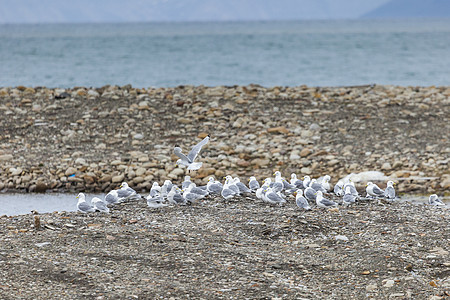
{"type": "Point", "coordinates": [317, 53]}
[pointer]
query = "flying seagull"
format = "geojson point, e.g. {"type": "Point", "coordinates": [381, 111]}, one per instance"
{"type": "Point", "coordinates": [189, 160]}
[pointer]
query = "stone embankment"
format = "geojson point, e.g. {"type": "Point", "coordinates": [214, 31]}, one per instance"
{"type": "Point", "coordinates": [92, 139]}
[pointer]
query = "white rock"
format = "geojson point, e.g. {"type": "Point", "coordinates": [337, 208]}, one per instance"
{"type": "Point", "coordinates": [40, 245]}
{"type": "Point", "coordinates": [80, 161]}
{"type": "Point", "coordinates": [389, 283]}
{"type": "Point", "coordinates": [341, 238]}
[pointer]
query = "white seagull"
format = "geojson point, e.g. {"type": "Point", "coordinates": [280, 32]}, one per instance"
{"type": "Point", "coordinates": [82, 205]}
{"type": "Point", "coordinates": [112, 197]}
{"type": "Point", "coordinates": [189, 160]}
{"type": "Point", "coordinates": [127, 193]}
{"type": "Point", "coordinates": [242, 187]}
{"type": "Point", "coordinates": [253, 184]}
{"type": "Point", "coordinates": [434, 200]}
{"type": "Point", "coordinates": [99, 205]}
{"type": "Point", "coordinates": [214, 186]}
{"type": "Point", "coordinates": [155, 189]}
{"type": "Point", "coordinates": [339, 188]}
{"type": "Point", "coordinates": [296, 182]}
{"type": "Point", "coordinates": [301, 201]}
{"type": "Point", "coordinates": [310, 194]}
{"type": "Point", "coordinates": [348, 198]}
{"type": "Point", "coordinates": [373, 190]}
{"type": "Point", "coordinates": [389, 192]}
{"type": "Point", "coordinates": [323, 202]}
{"type": "Point", "coordinates": [174, 196]}
{"type": "Point", "coordinates": [272, 197]}
{"type": "Point", "coordinates": [325, 182]}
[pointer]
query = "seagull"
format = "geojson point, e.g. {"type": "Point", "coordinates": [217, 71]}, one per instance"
{"type": "Point", "coordinates": [190, 196]}
{"type": "Point", "coordinates": [82, 205]}
{"type": "Point", "coordinates": [260, 192]}
{"type": "Point", "coordinates": [323, 202]}
{"type": "Point", "coordinates": [227, 192]}
{"type": "Point", "coordinates": [272, 197]}
{"type": "Point", "coordinates": [242, 188]}
{"type": "Point", "coordinates": [325, 182]}
{"type": "Point", "coordinates": [214, 186]}
{"type": "Point", "coordinates": [253, 184]}
{"type": "Point", "coordinates": [196, 190]}
{"type": "Point", "coordinates": [434, 200]}
{"type": "Point", "coordinates": [155, 190]}
{"type": "Point", "coordinates": [187, 181]}
{"type": "Point", "coordinates": [112, 197]}
{"type": "Point", "coordinates": [352, 188]}
{"type": "Point", "coordinates": [174, 196]}
{"type": "Point", "coordinates": [287, 186]}
{"type": "Point", "coordinates": [373, 190]}
{"type": "Point", "coordinates": [231, 185]}
{"type": "Point", "coordinates": [99, 205]}
{"type": "Point", "coordinates": [306, 181]}
{"type": "Point", "coordinates": [310, 194]}
{"type": "Point", "coordinates": [317, 186]}
{"type": "Point", "coordinates": [165, 189]}
{"type": "Point", "coordinates": [297, 182]}
{"type": "Point", "coordinates": [389, 192]}
{"type": "Point", "coordinates": [278, 184]}
{"type": "Point", "coordinates": [267, 182]}
{"type": "Point", "coordinates": [348, 198]}
{"type": "Point", "coordinates": [156, 201]}
{"type": "Point", "coordinates": [301, 201]}
{"type": "Point", "coordinates": [127, 193]}
{"type": "Point", "coordinates": [339, 188]}
{"type": "Point", "coordinates": [189, 160]}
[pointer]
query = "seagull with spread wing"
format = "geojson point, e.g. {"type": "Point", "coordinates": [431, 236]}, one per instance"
{"type": "Point", "coordinates": [189, 160]}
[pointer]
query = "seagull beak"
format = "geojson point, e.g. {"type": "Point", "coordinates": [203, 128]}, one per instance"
{"type": "Point", "coordinates": [395, 183]}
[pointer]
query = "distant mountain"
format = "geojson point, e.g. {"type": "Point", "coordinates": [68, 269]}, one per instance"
{"type": "Point", "coordinates": [100, 11]}
{"type": "Point", "coordinates": [412, 9]}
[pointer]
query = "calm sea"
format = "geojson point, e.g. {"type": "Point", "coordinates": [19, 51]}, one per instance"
{"type": "Point", "coordinates": [318, 53]}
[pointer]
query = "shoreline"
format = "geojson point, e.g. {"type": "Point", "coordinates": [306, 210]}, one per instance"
{"type": "Point", "coordinates": [92, 139]}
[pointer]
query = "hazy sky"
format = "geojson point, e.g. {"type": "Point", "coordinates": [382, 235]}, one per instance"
{"type": "Point", "coordinates": [62, 11]}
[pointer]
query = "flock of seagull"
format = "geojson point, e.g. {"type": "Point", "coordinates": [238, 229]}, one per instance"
{"type": "Point", "coordinates": [306, 191]}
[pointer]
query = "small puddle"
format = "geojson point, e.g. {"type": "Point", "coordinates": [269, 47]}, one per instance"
{"type": "Point", "coordinates": [21, 204]}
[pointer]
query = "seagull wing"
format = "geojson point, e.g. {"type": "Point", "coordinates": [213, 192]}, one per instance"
{"type": "Point", "coordinates": [85, 207]}
{"type": "Point", "coordinates": [302, 202]}
{"type": "Point", "coordinates": [377, 190]}
{"type": "Point", "coordinates": [327, 202]}
{"type": "Point", "coordinates": [192, 155]}
{"type": "Point", "coordinates": [389, 192]}
{"type": "Point", "coordinates": [274, 197]}
{"type": "Point", "coordinates": [101, 206]}
{"type": "Point", "coordinates": [348, 198]}
{"type": "Point", "coordinates": [182, 156]}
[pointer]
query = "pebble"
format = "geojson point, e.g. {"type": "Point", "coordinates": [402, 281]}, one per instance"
{"type": "Point", "coordinates": [389, 283]}
{"type": "Point", "coordinates": [118, 178]}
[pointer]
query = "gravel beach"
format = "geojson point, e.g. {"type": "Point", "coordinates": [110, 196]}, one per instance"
{"type": "Point", "coordinates": [240, 249]}
{"type": "Point", "coordinates": [92, 139]}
